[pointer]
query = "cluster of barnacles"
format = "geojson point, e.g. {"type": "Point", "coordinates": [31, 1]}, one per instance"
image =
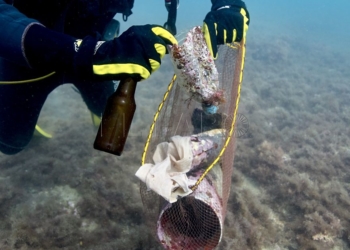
{"type": "Point", "coordinates": [200, 149]}
{"type": "Point", "coordinates": [195, 68]}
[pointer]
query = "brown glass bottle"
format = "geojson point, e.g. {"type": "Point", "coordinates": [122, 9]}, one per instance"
{"type": "Point", "coordinates": [117, 118]}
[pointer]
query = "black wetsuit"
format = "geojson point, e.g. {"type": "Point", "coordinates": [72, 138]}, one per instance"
{"type": "Point", "coordinates": [20, 104]}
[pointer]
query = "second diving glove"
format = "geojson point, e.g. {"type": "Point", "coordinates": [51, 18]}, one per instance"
{"type": "Point", "coordinates": [227, 22]}
{"type": "Point", "coordinates": [136, 53]}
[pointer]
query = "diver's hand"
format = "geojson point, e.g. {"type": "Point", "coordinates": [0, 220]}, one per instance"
{"type": "Point", "coordinates": [227, 22]}
{"type": "Point", "coordinates": [136, 53]}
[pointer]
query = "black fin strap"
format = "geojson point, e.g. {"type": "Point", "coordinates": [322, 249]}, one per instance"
{"type": "Point", "coordinates": [170, 23]}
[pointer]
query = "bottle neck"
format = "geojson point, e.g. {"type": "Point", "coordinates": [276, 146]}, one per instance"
{"type": "Point", "coordinates": [126, 87]}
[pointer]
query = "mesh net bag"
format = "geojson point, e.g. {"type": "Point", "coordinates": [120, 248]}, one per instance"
{"type": "Point", "coordinates": [187, 161]}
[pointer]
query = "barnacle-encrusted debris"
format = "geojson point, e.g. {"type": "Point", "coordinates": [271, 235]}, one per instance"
{"type": "Point", "coordinates": [195, 69]}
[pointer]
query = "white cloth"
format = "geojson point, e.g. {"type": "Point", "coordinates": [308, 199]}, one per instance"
{"type": "Point", "coordinates": [167, 176]}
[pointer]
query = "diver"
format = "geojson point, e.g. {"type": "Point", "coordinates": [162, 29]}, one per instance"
{"type": "Point", "coordinates": [44, 44]}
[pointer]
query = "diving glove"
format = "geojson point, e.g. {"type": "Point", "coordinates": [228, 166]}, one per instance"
{"type": "Point", "coordinates": [227, 22]}
{"type": "Point", "coordinates": [136, 53]}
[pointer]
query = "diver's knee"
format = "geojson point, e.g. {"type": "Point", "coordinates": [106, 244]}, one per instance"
{"type": "Point", "coordinates": [8, 150]}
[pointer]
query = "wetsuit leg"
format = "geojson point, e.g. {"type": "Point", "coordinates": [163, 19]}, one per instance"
{"type": "Point", "coordinates": [95, 94]}
{"type": "Point", "coordinates": [20, 106]}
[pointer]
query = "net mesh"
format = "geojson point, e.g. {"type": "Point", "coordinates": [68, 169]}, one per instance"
{"type": "Point", "coordinates": [196, 221]}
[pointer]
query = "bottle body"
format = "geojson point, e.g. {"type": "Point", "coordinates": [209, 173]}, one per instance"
{"type": "Point", "coordinates": [117, 119]}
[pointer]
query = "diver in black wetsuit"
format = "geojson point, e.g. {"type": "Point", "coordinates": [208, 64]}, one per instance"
{"type": "Point", "coordinates": [44, 44]}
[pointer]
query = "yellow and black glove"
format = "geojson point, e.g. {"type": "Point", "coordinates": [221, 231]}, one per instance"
{"type": "Point", "coordinates": [136, 53]}
{"type": "Point", "coordinates": [227, 22]}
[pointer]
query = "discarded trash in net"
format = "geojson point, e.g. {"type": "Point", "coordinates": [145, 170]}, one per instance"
{"type": "Point", "coordinates": [187, 161]}
{"type": "Point", "coordinates": [177, 160]}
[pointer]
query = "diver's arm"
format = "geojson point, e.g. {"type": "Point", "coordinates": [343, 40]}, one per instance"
{"type": "Point", "coordinates": [25, 41]}
{"type": "Point", "coordinates": [14, 26]}
{"type": "Point", "coordinates": [136, 53]}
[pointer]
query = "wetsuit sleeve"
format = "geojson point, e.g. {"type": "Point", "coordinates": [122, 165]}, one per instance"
{"type": "Point", "coordinates": [13, 28]}
{"type": "Point", "coordinates": [25, 41]}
